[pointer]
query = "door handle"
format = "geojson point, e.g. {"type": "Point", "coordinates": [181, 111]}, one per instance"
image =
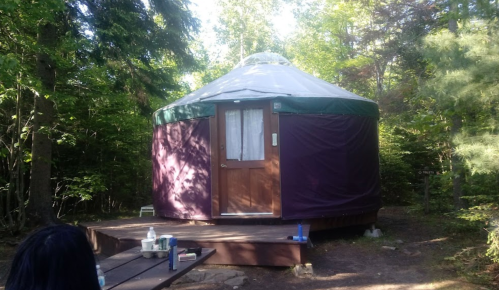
{"type": "Point", "coordinates": [223, 165]}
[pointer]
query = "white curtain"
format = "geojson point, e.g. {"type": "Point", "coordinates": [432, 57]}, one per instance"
{"type": "Point", "coordinates": [233, 134]}
{"type": "Point", "coordinates": [253, 135]}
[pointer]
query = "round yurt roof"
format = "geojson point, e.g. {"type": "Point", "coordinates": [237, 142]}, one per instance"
{"type": "Point", "coordinates": [268, 76]}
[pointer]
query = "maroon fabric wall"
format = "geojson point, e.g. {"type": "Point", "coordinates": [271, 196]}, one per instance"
{"type": "Point", "coordinates": [329, 165]}
{"type": "Point", "coordinates": [181, 170]}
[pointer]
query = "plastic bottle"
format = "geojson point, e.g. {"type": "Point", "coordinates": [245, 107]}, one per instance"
{"type": "Point", "coordinates": [151, 234]}
{"type": "Point", "coordinates": [100, 276]}
{"type": "Point", "coordinates": [296, 238]}
{"type": "Point", "coordinates": [300, 233]}
{"type": "Point", "coordinates": [173, 256]}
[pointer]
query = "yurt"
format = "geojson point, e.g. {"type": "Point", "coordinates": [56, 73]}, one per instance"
{"type": "Point", "coordinates": [267, 141]}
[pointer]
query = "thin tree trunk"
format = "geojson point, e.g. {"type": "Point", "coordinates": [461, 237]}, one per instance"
{"type": "Point", "coordinates": [21, 217]}
{"type": "Point", "coordinates": [40, 204]}
{"type": "Point", "coordinates": [457, 167]}
{"type": "Point", "coordinates": [453, 17]}
{"type": "Point", "coordinates": [380, 76]}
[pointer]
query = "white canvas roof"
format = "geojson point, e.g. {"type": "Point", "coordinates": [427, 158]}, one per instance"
{"type": "Point", "coordinates": [264, 76]}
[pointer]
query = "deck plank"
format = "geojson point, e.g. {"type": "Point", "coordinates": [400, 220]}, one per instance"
{"type": "Point", "coordinates": [160, 276]}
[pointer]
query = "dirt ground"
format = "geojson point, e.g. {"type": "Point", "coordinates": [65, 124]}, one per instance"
{"type": "Point", "coordinates": [344, 260]}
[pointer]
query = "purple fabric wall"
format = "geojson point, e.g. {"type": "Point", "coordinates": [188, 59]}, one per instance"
{"type": "Point", "coordinates": [181, 170]}
{"type": "Point", "coordinates": [329, 165]}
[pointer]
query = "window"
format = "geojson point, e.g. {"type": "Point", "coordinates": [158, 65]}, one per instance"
{"type": "Point", "coordinates": [244, 134]}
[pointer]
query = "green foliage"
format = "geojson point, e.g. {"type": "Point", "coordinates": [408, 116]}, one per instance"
{"type": "Point", "coordinates": [478, 145]}
{"type": "Point", "coordinates": [465, 68]}
{"type": "Point", "coordinates": [245, 27]}
{"type": "Point", "coordinates": [486, 214]}
{"type": "Point", "coordinates": [322, 45]}
{"type": "Point", "coordinates": [472, 263]}
{"type": "Point", "coordinates": [441, 199]}
{"type": "Point", "coordinates": [395, 173]}
{"type": "Point", "coordinates": [464, 84]}
{"type": "Point", "coordinates": [83, 188]}
{"type": "Point", "coordinates": [117, 138]}
{"type": "Point", "coordinates": [402, 155]}
{"type": "Point", "coordinates": [493, 241]}
{"type": "Point", "coordinates": [116, 63]}
{"type": "Point", "coordinates": [207, 71]}
{"type": "Point", "coordinates": [78, 218]}
{"type": "Point", "coordinates": [367, 47]}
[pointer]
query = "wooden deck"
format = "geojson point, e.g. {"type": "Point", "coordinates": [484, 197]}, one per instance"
{"type": "Point", "coordinates": [129, 271]}
{"type": "Point", "coordinates": [261, 245]}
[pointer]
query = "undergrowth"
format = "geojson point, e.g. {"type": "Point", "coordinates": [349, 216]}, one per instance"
{"type": "Point", "coordinates": [97, 217]}
{"type": "Point", "coordinates": [467, 248]}
{"type": "Point", "coordinates": [473, 264]}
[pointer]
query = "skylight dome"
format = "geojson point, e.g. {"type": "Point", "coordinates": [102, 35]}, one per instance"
{"type": "Point", "coordinates": [263, 58]}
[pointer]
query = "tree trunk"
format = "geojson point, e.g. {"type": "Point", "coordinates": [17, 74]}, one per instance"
{"type": "Point", "coordinates": [453, 17]}
{"type": "Point", "coordinates": [19, 173]}
{"type": "Point", "coordinates": [40, 204]}
{"type": "Point", "coordinates": [380, 77]}
{"type": "Point", "coordinates": [457, 167]}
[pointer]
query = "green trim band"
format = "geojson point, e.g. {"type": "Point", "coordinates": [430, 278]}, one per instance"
{"type": "Point", "coordinates": [296, 105]}
{"type": "Point", "coordinates": [183, 112]}
{"type": "Point", "coordinates": [325, 106]}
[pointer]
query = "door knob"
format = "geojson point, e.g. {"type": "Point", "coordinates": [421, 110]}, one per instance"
{"type": "Point", "coordinates": [223, 165]}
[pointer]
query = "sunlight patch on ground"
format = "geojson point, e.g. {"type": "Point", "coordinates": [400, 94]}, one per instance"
{"type": "Point", "coordinates": [432, 241]}
{"type": "Point", "coordinates": [355, 281]}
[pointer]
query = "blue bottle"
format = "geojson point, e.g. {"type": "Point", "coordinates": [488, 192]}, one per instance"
{"type": "Point", "coordinates": [173, 256]}
{"type": "Point", "coordinates": [101, 276]}
{"type": "Point", "coordinates": [296, 238]}
{"type": "Point", "coordinates": [300, 233]}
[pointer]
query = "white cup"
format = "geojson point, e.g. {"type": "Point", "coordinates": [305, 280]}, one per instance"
{"type": "Point", "coordinates": [147, 244]}
{"type": "Point", "coordinates": [167, 237]}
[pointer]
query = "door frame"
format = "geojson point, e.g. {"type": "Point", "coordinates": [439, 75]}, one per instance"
{"type": "Point", "coordinates": [274, 165]}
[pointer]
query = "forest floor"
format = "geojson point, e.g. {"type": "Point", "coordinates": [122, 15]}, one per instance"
{"type": "Point", "coordinates": [425, 257]}
{"type": "Point", "coordinates": [415, 253]}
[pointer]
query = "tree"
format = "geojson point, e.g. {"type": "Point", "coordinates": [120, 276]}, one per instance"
{"type": "Point", "coordinates": [19, 50]}
{"type": "Point", "coordinates": [456, 125]}
{"type": "Point", "coordinates": [464, 87]}
{"type": "Point", "coordinates": [41, 152]}
{"type": "Point", "coordinates": [464, 81]}
{"type": "Point", "coordinates": [208, 69]}
{"type": "Point", "coordinates": [245, 27]}
{"type": "Point", "coordinates": [368, 47]}
{"type": "Point", "coordinates": [142, 51]}
{"type": "Point", "coordinates": [450, 61]}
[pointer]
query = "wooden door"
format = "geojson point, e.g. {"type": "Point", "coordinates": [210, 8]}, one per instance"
{"type": "Point", "coordinates": [245, 152]}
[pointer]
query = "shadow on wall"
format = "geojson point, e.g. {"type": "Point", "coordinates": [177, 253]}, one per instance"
{"type": "Point", "coordinates": [181, 169]}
